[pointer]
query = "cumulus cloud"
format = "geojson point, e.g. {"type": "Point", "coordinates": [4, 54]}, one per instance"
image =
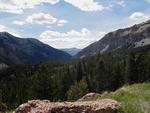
{"type": "Point", "coordinates": [72, 33]}
{"type": "Point", "coordinates": [86, 5]}
{"type": "Point", "coordinates": [71, 38]}
{"type": "Point", "coordinates": [6, 29]}
{"type": "Point", "coordinates": [62, 22]}
{"type": "Point", "coordinates": [17, 6]}
{"type": "Point", "coordinates": [41, 18]}
{"type": "Point", "coordinates": [139, 16]}
{"type": "Point", "coordinates": [18, 22]}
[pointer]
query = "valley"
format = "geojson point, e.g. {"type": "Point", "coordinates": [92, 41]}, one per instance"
{"type": "Point", "coordinates": [116, 67]}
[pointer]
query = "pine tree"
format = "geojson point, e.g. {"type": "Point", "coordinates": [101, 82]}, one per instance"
{"type": "Point", "coordinates": [130, 69]}
{"type": "Point", "coordinates": [147, 78]}
{"type": "Point", "coordinates": [1, 96]}
{"type": "Point", "coordinates": [79, 71]}
{"type": "Point", "coordinates": [41, 86]}
{"type": "Point", "coordinates": [100, 79]}
{"type": "Point", "coordinates": [118, 78]}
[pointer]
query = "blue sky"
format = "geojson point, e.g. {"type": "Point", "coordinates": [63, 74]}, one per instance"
{"type": "Point", "coordinates": [70, 23]}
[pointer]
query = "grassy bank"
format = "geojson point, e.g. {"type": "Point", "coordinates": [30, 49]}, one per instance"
{"type": "Point", "coordinates": [133, 99]}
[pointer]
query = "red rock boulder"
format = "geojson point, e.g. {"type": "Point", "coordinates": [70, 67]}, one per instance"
{"type": "Point", "coordinates": [38, 106]}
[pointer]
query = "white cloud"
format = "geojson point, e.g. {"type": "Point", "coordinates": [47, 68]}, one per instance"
{"type": "Point", "coordinates": [71, 33]}
{"type": "Point", "coordinates": [17, 6]}
{"type": "Point", "coordinates": [115, 3]}
{"type": "Point", "coordinates": [62, 22]}
{"type": "Point", "coordinates": [70, 39]}
{"type": "Point", "coordinates": [11, 31]}
{"type": "Point", "coordinates": [41, 18]}
{"type": "Point", "coordinates": [122, 3]}
{"type": "Point", "coordinates": [18, 22]}
{"type": "Point", "coordinates": [148, 1]}
{"type": "Point", "coordinates": [139, 16]}
{"type": "Point", "coordinates": [49, 26]}
{"type": "Point", "coordinates": [86, 5]}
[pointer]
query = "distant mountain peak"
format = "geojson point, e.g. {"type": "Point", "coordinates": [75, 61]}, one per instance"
{"type": "Point", "coordinates": [71, 51]}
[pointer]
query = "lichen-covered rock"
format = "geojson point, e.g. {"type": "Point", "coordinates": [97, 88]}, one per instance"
{"type": "Point", "coordinates": [38, 106]}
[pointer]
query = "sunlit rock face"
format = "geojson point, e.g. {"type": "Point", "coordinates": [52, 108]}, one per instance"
{"type": "Point", "coordinates": [45, 106]}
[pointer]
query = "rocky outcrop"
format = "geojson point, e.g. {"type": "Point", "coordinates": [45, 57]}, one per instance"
{"type": "Point", "coordinates": [90, 95]}
{"type": "Point", "coordinates": [128, 38]}
{"type": "Point", "coordinates": [37, 106]}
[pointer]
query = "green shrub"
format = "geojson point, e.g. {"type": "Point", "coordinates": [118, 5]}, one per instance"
{"type": "Point", "coordinates": [3, 107]}
{"type": "Point", "coordinates": [77, 90]}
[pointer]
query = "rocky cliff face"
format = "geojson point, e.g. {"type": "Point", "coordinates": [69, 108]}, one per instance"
{"type": "Point", "coordinates": [132, 37]}
{"type": "Point", "coordinates": [37, 106]}
{"type": "Point", "coordinates": [14, 50]}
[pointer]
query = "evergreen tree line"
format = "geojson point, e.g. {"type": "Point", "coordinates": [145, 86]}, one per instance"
{"type": "Point", "coordinates": [70, 80]}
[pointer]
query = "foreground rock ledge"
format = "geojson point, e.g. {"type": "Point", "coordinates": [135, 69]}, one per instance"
{"type": "Point", "coordinates": [45, 106]}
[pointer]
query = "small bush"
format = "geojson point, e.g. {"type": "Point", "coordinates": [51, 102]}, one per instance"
{"type": "Point", "coordinates": [3, 107]}
{"type": "Point", "coordinates": [77, 90]}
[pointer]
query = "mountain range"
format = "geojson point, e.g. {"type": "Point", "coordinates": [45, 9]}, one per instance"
{"type": "Point", "coordinates": [128, 38]}
{"type": "Point", "coordinates": [14, 50]}
{"type": "Point", "coordinates": [71, 51]}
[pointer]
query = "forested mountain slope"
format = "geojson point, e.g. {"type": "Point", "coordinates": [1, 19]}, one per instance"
{"type": "Point", "coordinates": [132, 37]}
{"type": "Point", "coordinates": [14, 50]}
